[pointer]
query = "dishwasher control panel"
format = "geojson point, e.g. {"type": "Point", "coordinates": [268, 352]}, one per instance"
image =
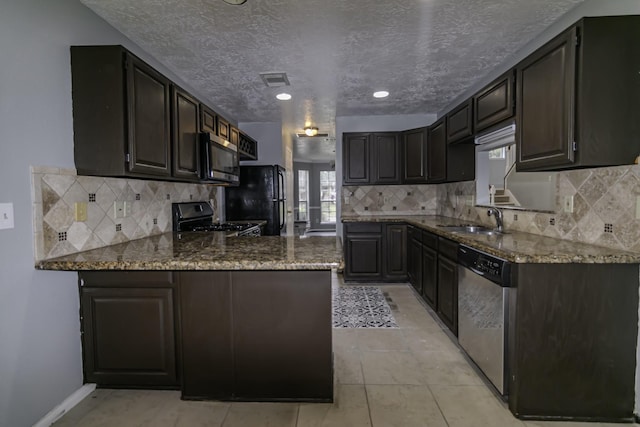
{"type": "Point", "coordinates": [492, 268]}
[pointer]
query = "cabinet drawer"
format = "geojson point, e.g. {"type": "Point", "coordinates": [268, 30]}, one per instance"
{"type": "Point", "coordinates": [448, 248]}
{"type": "Point", "coordinates": [430, 240]}
{"type": "Point", "coordinates": [363, 227]}
{"type": "Point", "coordinates": [124, 279]}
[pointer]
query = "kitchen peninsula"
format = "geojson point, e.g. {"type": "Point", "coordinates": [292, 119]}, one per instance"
{"type": "Point", "coordinates": [230, 318]}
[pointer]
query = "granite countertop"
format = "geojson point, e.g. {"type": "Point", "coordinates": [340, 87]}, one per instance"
{"type": "Point", "coordinates": [207, 251]}
{"type": "Point", "coordinates": [517, 247]}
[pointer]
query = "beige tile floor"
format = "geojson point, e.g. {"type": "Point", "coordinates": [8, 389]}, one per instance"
{"type": "Point", "coordinates": [410, 376]}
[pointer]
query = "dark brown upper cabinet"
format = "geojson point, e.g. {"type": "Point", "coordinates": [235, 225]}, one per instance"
{"type": "Point", "coordinates": [208, 120]}
{"type": "Point", "coordinates": [460, 122]}
{"type": "Point", "coordinates": [224, 128]}
{"type": "Point", "coordinates": [494, 103]}
{"type": "Point", "coordinates": [437, 152]}
{"type": "Point", "coordinates": [234, 135]}
{"type": "Point", "coordinates": [578, 97]}
{"type": "Point", "coordinates": [355, 158]}
{"type": "Point", "coordinates": [121, 114]}
{"type": "Point", "coordinates": [248, 147]}
{"type": "Point", "coordinates": [415, 155]}
{"type": "Point", "coordinates": [186, 153]}
{"type": "Point", "coordinates": [385, 158]}
{"type": "Point", "coordinates": [371, 158]}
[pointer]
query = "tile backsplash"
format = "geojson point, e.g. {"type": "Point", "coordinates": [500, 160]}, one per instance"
{"type": "Point", "coordinates": [55, 192]}
{"type": "Point", "coordinates": [389, 200]}
{"type": "Point", "coordinates": [604, 208]}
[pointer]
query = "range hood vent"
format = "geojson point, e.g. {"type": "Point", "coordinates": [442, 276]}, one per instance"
{"type": "Point", "coordinates": [275, 79]}
{"type": "Point", "coordinates": [498, 138]}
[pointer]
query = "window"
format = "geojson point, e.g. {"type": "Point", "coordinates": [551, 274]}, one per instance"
{"type": "Point", "coordinates": [498, 153]}
{"type": "Point", "coordinates": [327, 197]}
{"type": "Point", "coordinates": [303, 195]}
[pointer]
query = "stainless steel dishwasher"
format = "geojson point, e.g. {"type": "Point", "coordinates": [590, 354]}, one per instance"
{"type": "Point", "coordinates": [483, 312]}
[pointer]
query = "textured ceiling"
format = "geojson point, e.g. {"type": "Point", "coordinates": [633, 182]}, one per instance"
{"type": "Point", "coordinates": [336, 53]}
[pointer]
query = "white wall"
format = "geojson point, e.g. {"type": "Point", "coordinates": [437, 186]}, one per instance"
{"type": "Point", "coordinates": [371, 124]}
{"type": "Point", "coordinates": [40, 353]}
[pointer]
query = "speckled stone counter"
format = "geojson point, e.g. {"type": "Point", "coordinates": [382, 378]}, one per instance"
{"type": "Point", "coordinates": [207, 251]}
{"type": "Point", "coordinates": [517, 247]}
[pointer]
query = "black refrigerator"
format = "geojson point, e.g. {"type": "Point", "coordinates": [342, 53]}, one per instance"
{"type": "Point", "coordinates": [260, 196]}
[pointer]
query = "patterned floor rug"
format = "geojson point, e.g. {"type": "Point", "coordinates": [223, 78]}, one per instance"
{"type": "Point", "coordinates": [361, 307]}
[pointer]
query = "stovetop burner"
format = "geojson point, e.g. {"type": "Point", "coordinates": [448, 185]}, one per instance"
{"type": "Point", "coordinates": [198, 216]}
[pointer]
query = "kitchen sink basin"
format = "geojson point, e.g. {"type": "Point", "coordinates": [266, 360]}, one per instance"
{"type": "Point", "coordinates": [470, 229]}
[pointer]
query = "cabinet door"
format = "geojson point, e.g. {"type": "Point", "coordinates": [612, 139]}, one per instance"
{"type": "Point", "coordinates": [414, 258]}
{"type": "Point", "coordinates": [224, 128]}
{"type": "Point", "coordinates": [545, 105]}
{"type": "Point", "coordinates": [461, 162]}
{"type": "Point", "coordinates": [385, 158]}
{"type": "Point", "coordinates": [186, 155]}
{"type": "Point", "coordinates": [208, 120]}
{"type": "Point", "coordinates": [128, 336]}
{"type": "Point", "coordinates": [415, 155]}
{"type": "Point", "coordinates": [395, 254]}
{"type": "Point", "coordinates": [430, 276]}
{"type": "Point", "coordinates": [460, 122]}
{"type": "Point", "coordinates": [206, 323]}
{"type": "Point", "coordinates": [437, 153]}
{"type": "Point", "coordinates": [448, 293]}
{"type": "Point", "coordinates": [234, 136]}
{"type": "Point", "coordinates": [494, 103]}
{"type": "Point", "coordinates": [148, 105]}
{"type": "Point", "coordinates": [355, 158]}
{"type": "Point", "coordinates": [363, 251]}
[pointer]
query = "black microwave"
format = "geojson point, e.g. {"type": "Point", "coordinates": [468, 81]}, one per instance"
{"type": "Point", "coordinates": [219, 159]}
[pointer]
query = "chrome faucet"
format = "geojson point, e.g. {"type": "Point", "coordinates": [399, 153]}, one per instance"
{"type": "Point", "coordinates": [498, 214]}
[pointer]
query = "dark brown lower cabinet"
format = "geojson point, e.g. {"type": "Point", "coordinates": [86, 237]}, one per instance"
{"type": "Point", "coordinates": [395, 251]}
{"type": "Point", "coordinates": [572, 341]}
{"type": "Point", "coordinates": [414, 257]}
{"type": "Point", "coordinates": [448, 283]}
{"type": "Point", "coordinates": [263, 335]}
{"type": "Point", "coordinates": [128, 329]}
{"type": "Point", "coordinates": [430, 269]}
{"type": "Point", "coordinates": [375, 251]}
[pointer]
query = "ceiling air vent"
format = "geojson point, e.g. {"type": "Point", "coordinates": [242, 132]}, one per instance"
{"type": "Point", "coordinates": [274, 79]}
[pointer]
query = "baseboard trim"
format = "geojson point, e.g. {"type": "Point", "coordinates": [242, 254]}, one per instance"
{"type": "Point", "coordinates": [66, 405]}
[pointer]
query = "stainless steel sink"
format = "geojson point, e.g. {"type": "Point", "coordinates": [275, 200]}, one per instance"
{"type": "Point", "coordinates": [470, 229]}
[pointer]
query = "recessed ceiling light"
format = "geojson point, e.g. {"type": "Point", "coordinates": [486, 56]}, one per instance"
{"type": "Point", "coordinates": [283, 96]}
{"type": "Point", "coordinates": [380, 94]}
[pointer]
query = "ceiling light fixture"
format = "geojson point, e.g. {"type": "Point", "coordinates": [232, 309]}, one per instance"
{"type": "Point", "coordinates": [235, 2]}
{"type": "Point", "coordinates": [380, 94]}
{"type": "Point", "coordinates": [283, 96]}
{"type": "Point", "coordinates": [311, 131]}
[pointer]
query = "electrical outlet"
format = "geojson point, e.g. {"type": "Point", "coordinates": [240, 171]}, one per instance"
{"type": "Point", "coordinates": [568, 204]}
{"type": "Point", "coordinates": [128, 208]}
{"type": "Point", "coordinates": [6, 216]}
{"type": "Point", "coordinates": [80, 209]}
{"type": "Point", "coordinates": [118, 209]}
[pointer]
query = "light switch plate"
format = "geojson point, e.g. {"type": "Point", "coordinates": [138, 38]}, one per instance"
{"type": "Point", "coordinates": [118, 209]}
{"type": "Point", "coordinates": [568, 204]}
{"type": "Point", "coordinates": [128, 207]}
{"type": "Point", "coordinates": [6, 216]}
{"type": "Point", "coordinates": [80, 209]}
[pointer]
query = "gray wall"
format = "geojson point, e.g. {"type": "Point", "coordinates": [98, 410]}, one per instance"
{"type": "Point", "coordinates": [40, 354]}
{"type": "Point", "coordinates": [269, 137]}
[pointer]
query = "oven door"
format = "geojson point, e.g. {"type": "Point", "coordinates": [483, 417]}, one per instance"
{"type": "Point", "coordinates": [220, 159]}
